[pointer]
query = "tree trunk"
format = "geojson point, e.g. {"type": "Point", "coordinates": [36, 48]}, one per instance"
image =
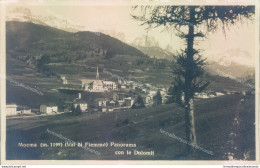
{"type": "Point", "coordinates": [189, 107]}
{"type": "Point", "coordinates": [191, 122]}
{"type": "Point", "coordinates": [190, 125]}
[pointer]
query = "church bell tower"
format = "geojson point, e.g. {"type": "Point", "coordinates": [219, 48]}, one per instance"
{"type": "Point", "coordinates": [97, 76]}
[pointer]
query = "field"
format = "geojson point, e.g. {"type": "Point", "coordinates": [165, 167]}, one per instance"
{"type": "Point", "coordinates": [216, 123]}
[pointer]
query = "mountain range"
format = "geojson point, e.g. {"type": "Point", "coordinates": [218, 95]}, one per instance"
{"type": "Point", "coordinates": [22, 14]}
{"type": "Point", "coordinates": [26, 39]}
{"type": "Point", "coordinates": [34, 35]}
{"type": "Point", "coordinates": [156, 52]}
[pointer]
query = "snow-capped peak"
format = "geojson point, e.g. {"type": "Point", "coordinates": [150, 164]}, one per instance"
{"type": "Point", "coordinates": [53, 20]}
{"type": "Point", "coordinates": [234, 56]}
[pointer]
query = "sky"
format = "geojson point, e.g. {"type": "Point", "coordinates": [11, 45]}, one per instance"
{"type": "Point", "coordinates": [118, 18]}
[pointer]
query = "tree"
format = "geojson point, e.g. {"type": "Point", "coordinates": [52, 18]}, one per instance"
{"type": "Point", "coordinates": [110, 53]}
{"type": "Point", "coordinates": [130, 93]}
{"type": "Point", "coordinates": [73, 110]}
{"type": "Point", "coordinates": [139, 103]}
{"type": "Point", "coordinates": [157, 99]}
{"type": "Point", "coordinates": [78, 110]}
{"type": "Point", "coordinates": [45, 59]}
{"type": "Point", "coordinates": [190, 23]}
{"type": "Point", "coordinates": [175, 93]}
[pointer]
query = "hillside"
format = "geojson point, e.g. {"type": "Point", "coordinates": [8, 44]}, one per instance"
{"type": "Point", "coordinates": [233, 70]}
{"type": "Point", "coordinates": [30, 41]}
{"type": "Point", "coordinates": [44, 82]}
{"type": "Point", "coordinates": [216, 122]}
{"type": "Point", "coordinates": [76, 55]}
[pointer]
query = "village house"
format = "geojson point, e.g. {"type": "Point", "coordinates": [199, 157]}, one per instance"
{"type": "Point", "coordinates": [97, 85]}
{"type": "Point", "coordinates": [148, 85]}
{"type": "Point", "coordinates": [128, 101]}
{"type": "Point", "coordinates": [112, 103]}
{"type": "Point", "coordinates": [164, 95]}
{"type": "Point", "coordinates": [83, 105]}
{"type": "Point", "coordinates": [164, 100]}
{"type": "Point", "coordinates": [101, 102]}
{"type": "Point", "coordinates": [11, 109]}
{"type": "Point", "coordinates": [201, 95]}
{"type": "Point", "coordinates": [152, 93]}
{"type": "Point", "coordinates": [121, 102]}
{"type": "Point", "coordinates": [110, 109]}
{"type": "Point", "coordinates": [206, 95]}
{"type": "Point", "coordinates": [147, 99]}
{"type": "Point", "coordinates": [63, 80]}
{"type": "Point", "coordinates": [79, 95]}
{"type": "Point", "coordinates": [48, 109]}
{"type": "Point", "coordinates": [24, 110]}
{"type": "Point", "coordinates": [144, 90]}
{"type": "Point", "coordinates": [102, 109]}
{"type": "Point", "coordinates": [219, 94]}
{"type": "Point", "coordinates": [110, 85]}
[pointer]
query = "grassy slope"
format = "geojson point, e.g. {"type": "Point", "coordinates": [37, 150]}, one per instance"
{"type": "Point", "coordinates": [33, 39]}
{"type": "Point", "coordinates": [214, 119]}
{"type": "Point", "coordinates": [22, 73]}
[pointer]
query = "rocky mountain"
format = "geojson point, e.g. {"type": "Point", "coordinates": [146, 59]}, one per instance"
{"type": "Point", "coordinates": [156, 52]}
{"type": "Point", "coordinates": [233, 63]}
{"type": "Point", "coordinates": [22, 14]}
{"type": "Point", "coordinates": [233, 56]}
{"type": "Point", "coordinates": [145, 41]}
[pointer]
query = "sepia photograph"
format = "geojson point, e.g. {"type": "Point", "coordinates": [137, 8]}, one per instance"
{"type": "Point", "coordinates": [131, 81]}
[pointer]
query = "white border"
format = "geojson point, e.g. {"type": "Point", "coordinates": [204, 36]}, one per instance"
{"type": "Point", "coordinates": [3, 3]}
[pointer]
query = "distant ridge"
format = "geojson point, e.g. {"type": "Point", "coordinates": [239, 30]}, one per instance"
{"type": "Point", "coordinates": [26, 38]}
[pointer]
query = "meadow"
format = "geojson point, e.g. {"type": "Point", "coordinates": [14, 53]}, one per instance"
{"type": "Point", "coordinates": [215, 118]}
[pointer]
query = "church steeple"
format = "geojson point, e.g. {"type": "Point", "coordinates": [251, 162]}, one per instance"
{"type": "Point", "coordinates": [97, 74]}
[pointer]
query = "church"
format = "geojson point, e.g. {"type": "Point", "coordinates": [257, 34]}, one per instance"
{"type": "Point", "coordinates": [97, 85]}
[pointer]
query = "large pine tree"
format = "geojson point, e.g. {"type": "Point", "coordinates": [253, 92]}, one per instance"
{"type": "Point", "coordinates": [190, 23]}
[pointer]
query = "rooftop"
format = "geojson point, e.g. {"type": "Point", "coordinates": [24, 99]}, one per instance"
{"type": "Point", "coordinates": [11, 106]}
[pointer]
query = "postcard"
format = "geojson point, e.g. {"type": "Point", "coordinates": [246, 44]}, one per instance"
{"type": "Point", "coordinates": [131, 82]}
